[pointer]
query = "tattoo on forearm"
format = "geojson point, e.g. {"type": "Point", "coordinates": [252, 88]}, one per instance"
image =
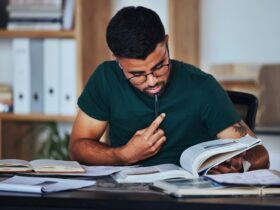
{"type": "Point", "coordinates": [241, 128]}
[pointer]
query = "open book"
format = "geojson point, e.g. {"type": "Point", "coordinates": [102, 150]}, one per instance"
{"type": "Point", "coordinates": [181, 187]}
{"type": "Point", "coordinates": [195, 160]}
{"type": "Point", "coordinates": [40, 166]}
{"type": "Point", "coordinates": [42, 184]}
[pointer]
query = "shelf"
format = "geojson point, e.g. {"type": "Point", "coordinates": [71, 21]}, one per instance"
{"type": "Point", "coordinates": [36, 34]}
{"type": "Point", "coordinates": [36, 118]}
{"type": "Point", "coordinates": [235, 84]}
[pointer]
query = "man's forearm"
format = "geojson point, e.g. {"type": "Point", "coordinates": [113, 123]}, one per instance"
{"type": "Point", "coordinates": [258, 158]}
{"type": "Point", "coordinates": [90, 152]}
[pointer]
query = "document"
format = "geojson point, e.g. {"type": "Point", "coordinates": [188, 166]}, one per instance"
{"type": "Point", "coordinates": [42, 184]}
{"type": "Point", "coordinates": [257, 177]}
{"type": "Point", "coordinates": [202, 187]}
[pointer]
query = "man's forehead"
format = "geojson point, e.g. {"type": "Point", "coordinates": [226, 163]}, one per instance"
{"type": "Point", "coordinates": [137, 64]}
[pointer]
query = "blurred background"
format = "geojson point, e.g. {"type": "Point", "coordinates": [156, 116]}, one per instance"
{"type": "Point", "coordinates": [49, 48]}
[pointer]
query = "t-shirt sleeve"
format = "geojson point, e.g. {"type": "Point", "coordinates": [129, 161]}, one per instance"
{"type": "Point", "coordinates": [94, 99]}
{"type": "Point", "coordinates": [216, 109]}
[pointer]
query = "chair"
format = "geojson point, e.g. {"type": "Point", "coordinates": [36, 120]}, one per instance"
{"type": "Point", "coordinates": [246, 105]}
{"type": "Point", "coordinates": [269, 96]}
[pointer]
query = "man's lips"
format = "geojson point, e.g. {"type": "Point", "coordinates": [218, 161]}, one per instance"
{"type": "Point", "coordinates": [154, 90]}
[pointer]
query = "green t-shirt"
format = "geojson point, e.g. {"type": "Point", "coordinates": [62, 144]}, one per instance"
{"type": "Point", "coordinates": [196, 108]}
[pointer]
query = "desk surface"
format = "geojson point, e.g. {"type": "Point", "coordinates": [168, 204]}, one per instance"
{"type": "Point", "coordinates": [123, 199]}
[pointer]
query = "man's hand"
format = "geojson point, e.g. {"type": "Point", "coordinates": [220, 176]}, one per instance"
{"type": "Point", "coordinates": [233, 165]}
{"type": "Point", "coordinates": [145, 143]}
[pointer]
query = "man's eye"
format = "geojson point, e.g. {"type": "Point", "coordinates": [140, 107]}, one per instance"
{"type": "Point", "coordinates": [136, 74]}
{"type": "Point", "coordinates": [158, 67]}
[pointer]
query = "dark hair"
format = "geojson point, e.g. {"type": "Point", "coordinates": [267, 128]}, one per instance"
{"type": "Point", "coordinates": [134, 32]}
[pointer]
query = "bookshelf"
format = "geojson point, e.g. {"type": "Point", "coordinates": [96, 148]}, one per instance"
{"type": "Point", "coordinates": [37, 34]}
{"type": "Point", "coordinates": [90, 21]}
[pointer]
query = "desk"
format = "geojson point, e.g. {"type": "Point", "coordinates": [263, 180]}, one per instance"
{"type": "Point", "coordinates": [106, 200]}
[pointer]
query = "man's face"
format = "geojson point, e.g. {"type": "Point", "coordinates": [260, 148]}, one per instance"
{"type": "Point", "coordinates": [155, 67]}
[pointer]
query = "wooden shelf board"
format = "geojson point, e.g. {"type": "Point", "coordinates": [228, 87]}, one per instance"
{"type": "Point", "coordinates": [36, 34]}
{"type": "Point", "coordinates": [36, 118]}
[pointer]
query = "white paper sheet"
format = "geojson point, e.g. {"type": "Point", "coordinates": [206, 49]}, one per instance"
{"type": "Point", "coordinates": [257, 177]}
{"type": "Point", "coordinates": [42, 184]}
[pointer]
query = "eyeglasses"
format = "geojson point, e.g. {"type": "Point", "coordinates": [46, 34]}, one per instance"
{"type": "Point", "coordinates": [157, 72]}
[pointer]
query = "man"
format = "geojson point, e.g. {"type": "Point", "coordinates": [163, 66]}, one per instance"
{"type": "Point", "coordinates": [155, 107]}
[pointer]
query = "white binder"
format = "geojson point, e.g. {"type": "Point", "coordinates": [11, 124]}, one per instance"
{"type": "Point", "coordinates": [21, 75]}
{"type": "Point", "coordinates": [68, 78]}
{"type": "Point", "coordinates": [51, 76]}
{"type": "Point", "coordinates": [36, 52]}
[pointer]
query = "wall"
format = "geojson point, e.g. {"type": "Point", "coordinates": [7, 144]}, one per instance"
{"type": "Point", "coordinates": [159, 6]}
{"type": "Point", "coordinates": [238, 31]}
{"type": "Point", "coordinates": [272, 144]}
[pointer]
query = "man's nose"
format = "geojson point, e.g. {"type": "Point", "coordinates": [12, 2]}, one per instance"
{"type": "Point", "coordinates": [151, 80]}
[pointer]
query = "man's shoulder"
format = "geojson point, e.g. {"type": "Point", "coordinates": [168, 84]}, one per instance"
{"type": "Point", "coordinates": [107, 69]}
{"type": "Point", "coordinates": [106, 65]}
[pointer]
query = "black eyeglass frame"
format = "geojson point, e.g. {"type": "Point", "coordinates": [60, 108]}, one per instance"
{"type": "Point", "coordinates": [152, 71]}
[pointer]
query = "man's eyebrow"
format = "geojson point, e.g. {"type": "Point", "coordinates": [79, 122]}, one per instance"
{"type": "Point", "coordinates": [136, 71]}
{"type": "Point", "coordinates": [142, 72]}
{"type": "Point", "coordinates": [158, 64]}
{"type": "Point", "coordinates": [161, 61]}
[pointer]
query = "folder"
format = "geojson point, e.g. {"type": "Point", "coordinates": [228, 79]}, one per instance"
{"type": "Point", "coordinates": [36, 52]}
{"type": "Point", "coordinates": [68, 14]}
{"type": "Point", "coordinates": [51, 69]}
{"type": "Point", "coordinates": [21, 75]}
{"type": "Point", "coordinates": [68, 78]}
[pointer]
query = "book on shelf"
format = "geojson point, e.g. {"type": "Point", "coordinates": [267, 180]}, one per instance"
{"type": "Point", "coordinates": [53, 62]}
{"type": "Point", "coordinates": [42, 184]}
{"type": "Point", "coordinates": [35, 15]}
{"type": "Point", "coordinates": [54, 26]}
{"type": "Point", "coordinates": [68, 14]}
{"type": "Point", "coordinates": [34, 5]}
{"type": "Point", "coordinates": [40, 166]}
{"type": "Point", "coordinates": [202, 186]}
{"type": "Point", "coordinates": [196, 160]}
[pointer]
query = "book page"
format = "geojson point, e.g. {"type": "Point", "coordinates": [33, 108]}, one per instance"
{"type": "Point", "coordinates": [257, 177]}
{"type": "Point", "coordinates": [14, 165]}
{"type": "Point", "coordinates": [193, 157]}
{"type": "Point", "coordinates": [151, 173]}
{"type": "Point", "coordinates": [49, 166]}
{"type": "Point", "coordinates": [202, 187]}
{"type": "Point", "coordinates": [42, 184]}
{"type": "Point", "coordinates": [90, 171]}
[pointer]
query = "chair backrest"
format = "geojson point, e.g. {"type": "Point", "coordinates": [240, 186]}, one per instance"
{"type": "Point", "coordinates": [246, 105]}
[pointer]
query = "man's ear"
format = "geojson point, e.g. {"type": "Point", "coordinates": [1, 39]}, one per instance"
{"type": "Point", "coordinates": [166, 39]}
{"type": "Point", "coordinates": [113, 57]}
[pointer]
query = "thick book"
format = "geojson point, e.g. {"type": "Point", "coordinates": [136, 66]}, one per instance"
{"type": "Point", "coordinates": [196, 160]}
{"type": "Point", "coordinates": [42, 184]}
{"type": "Point", "coordinates": [202, 186]}
{"type": "Point", "coordinates": [40, 166]}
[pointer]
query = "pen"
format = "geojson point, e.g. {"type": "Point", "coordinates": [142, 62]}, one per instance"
{"type": "Point", "coordinates": [156, 106]}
